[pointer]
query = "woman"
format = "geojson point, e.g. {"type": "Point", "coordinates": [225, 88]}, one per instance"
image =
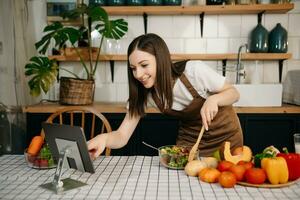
{"type": "Point", "coordinates": [197, 95]}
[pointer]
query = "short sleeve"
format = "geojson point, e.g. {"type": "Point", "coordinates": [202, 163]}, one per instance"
{"type": "Point", "coordinates": [204, 78]}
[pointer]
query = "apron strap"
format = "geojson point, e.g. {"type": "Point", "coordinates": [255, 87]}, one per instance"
{"type": "Point", "coordinates": [189, 86]}
{"type": "Point", "coordinates": [157, 101]}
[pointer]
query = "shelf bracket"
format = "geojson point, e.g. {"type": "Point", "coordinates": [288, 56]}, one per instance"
{"type": "Point", "coordinates": [259, 17]}
{"type": "Point", "coordinates": [280, 65]}
{"type": "Point", "coordinates": [201, 17]}
{"type": "Point", "coordinates": [112, 69]}
{"type": "Point", "coordinates": [224, 62]}
{"type": "Point", "coordinates": [145, 16]}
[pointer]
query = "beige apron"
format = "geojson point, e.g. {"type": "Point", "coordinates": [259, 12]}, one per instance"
{"type": "Point", "coordinates": [224, 127]}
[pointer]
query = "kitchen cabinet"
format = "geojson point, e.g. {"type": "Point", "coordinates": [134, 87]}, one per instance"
{"type": "Point", "coordinates": [261, 126]}
{"type": "Point", "coordinates": [262, 130]}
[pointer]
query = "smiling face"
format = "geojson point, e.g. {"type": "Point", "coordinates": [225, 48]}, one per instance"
{"type": "Point", "coordinates": [143, 66]}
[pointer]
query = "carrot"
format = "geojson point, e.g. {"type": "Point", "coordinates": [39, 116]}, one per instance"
{"type": "Point", "coordinates": [35, 145]}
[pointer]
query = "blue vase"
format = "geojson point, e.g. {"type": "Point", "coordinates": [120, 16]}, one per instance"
{"type": "Point", "coordinates": [259, 42]}
{"type": "Point", "coordinates": [115, 2]}
{"type": "Point", "coordinates": [135, 2]}
{"type": "Point", "coordinates": [172, 2]}
{"type": "Point", "coordinates": [154, 2]}
{"type": "Point", "coordinates": [97, 2]}
{"type": "Point", "coordinates": [278, 40]}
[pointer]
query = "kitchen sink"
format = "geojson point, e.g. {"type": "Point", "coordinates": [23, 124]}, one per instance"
{"type": "Point", "coordinates": [256, 95]}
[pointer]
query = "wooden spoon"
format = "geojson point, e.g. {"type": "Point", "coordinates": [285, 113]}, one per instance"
{"type": "Point", "coordinates": [195, 147]}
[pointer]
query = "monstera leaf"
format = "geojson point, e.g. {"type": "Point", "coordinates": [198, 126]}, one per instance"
{"type": "Point", "coordinates": [60, 34]}
{"type": "Point", "coordinates": [43, 72]}
{"type": "Point", "coordinates": [114, 29]}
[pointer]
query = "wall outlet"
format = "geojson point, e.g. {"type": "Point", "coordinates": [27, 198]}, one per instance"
{"type": "Point", "coordinates": [1, 47]}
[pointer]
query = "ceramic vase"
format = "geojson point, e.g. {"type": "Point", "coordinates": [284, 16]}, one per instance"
{"type": "Point", "coordinates": [278, 40]}
{"type": "Point", "coordinates": [259, 39]}
{"type": "Point", "coordinates": [135, 2]}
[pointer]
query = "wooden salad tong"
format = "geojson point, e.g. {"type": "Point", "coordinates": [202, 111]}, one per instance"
{"type": "Point", "coordinates": [195, 147]}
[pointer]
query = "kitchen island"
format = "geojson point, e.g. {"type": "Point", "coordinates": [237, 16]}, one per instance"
{"type": "Point", "coordinates": [271, 125]}
{"type": "Point", "coordinates": [125, 177]}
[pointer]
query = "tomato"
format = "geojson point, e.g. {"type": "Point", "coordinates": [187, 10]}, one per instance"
{"type": "Point", "coordinates": [245, 164]}
{"type": "Point", "coordinates": [224, 165]}
{"type": "Point", "coordinates": [227, 179]}
{"type": "Point", "coordinates": [209, 175]}
{"type": "Point", "coordinates": [43, 163]}
{"type": "Point", "coordinates": [238, 171]}
{"type": "Point", "coordinates": [255, 175]}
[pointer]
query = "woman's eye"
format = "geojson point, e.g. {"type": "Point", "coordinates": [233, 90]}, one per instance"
{"type": "Point", "coordinates": [144, 65]}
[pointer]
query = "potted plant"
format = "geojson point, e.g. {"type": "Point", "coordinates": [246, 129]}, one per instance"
{"type": "Point", "coordinates": [43, 71]}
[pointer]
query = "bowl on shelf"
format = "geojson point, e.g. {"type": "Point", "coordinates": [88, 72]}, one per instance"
{"type": "Point", "coordinates": [43, 160]}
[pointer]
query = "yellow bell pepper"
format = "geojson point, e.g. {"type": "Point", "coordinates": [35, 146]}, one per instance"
{"type": "Point", "coordinates": [276, 169]}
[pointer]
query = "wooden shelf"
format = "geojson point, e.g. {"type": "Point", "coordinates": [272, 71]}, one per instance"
{"type": "Point", "coordinates": [177, 57]}
{"type": "Point", "coordinates": [193, 10]}
{"type": "Point", "coordinates": [106, 107]}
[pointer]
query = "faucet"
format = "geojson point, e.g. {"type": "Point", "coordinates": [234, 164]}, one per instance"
{"type": "Point", "coordinates": [239, 63]}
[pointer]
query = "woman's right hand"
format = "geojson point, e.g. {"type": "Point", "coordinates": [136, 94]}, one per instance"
{"type": "Point", "coordinates": [97, 145]}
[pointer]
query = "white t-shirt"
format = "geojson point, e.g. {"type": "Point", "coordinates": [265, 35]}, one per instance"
{"type": "Point", "coordinates": [204, 79]}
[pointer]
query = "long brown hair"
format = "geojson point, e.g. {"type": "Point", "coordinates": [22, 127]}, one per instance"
{"type": "Point", "coordinates": [154, 45]}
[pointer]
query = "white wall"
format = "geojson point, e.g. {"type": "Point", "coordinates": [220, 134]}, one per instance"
{"type": "Point", "coordinates": [222, 34]}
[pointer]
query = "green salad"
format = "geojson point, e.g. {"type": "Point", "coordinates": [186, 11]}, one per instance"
{"type": "Point", "coordinates": [174, 156]}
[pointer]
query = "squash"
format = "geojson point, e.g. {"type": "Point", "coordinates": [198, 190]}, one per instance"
{"type": "Point", "coordinates": [246, 154]}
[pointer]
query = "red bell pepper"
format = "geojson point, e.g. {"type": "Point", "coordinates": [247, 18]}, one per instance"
{"type": "Point", "coordinates": [293, 162]}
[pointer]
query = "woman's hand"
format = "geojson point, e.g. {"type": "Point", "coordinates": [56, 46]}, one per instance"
{"type": "Point", "coordinates": [97, 145]}
{"type": "Point", "coordinates": [227, 95]}
{"type": "Point", "coordinates": [209, 111]}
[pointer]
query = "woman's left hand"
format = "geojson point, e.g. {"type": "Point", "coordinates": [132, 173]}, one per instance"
{"type": "Point", "coordinates": [209, 111]}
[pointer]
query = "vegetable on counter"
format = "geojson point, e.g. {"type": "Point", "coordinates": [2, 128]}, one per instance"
{"type": "Point", "coordinates": [276, 170]}
{"type": "Point", "coordinates": [35, 145]}
{"type": "Point", "coordinates": [268, 152]}
{"type": "Point", "coordinates": [293, 163]}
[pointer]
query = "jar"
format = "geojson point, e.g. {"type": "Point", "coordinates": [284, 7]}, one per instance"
{"type": "Point", "coordinates": [278, 40]}
{"type": "Point", "coordinates": [243, 2]}
{"type": "Point", "coordinates": [154, 2]}
{"type": "Point", "coordinates": [115, 2]}
{"type": "Point", "coordinates": [135, 2]}
{"type": "Point", "coordinates": [172, 2]}
{"type": "Point", "coordinates": [97, 2]}
{"type": "Point", "coordinates": [215, 2]}
{"type": "Point", "coordinates": [259, 39]}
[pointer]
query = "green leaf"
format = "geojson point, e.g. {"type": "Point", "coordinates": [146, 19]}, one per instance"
{"type": "Point", "coordinates": [114, 29]}
{"type": "Point", "coordinates": [43, 74]}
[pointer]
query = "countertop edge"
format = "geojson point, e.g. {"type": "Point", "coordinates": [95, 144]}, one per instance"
{"type": "Point", "coordinates": [108, 107]}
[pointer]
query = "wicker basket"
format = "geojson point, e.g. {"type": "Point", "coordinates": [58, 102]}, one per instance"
{"type": "Point", "coordinates": [76, 91]}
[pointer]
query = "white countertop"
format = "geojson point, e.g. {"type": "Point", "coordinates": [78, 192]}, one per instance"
{"type": "Point", "coordinates": [123, 177]}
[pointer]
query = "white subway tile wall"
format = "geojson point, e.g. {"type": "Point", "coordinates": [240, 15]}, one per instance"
{"type": "Point", "coordinates": [221, 34]}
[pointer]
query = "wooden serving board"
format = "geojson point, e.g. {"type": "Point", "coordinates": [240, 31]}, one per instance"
{"type": "Point", "coordinates": [268, 185]}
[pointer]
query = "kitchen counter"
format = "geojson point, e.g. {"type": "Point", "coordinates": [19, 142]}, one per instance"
{"type": "Point", "coordinates": [123, 177]}
{"type": "Point", "coordinates": [106, 107]}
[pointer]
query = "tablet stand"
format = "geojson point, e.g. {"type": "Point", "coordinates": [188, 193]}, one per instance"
{"type": "Point", "coordinates": [59, 185]}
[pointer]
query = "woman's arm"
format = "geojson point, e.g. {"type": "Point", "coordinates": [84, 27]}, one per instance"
{"type": "Point", "coordinates": [227, 95]}
{"type": "Point", "coordinates": [115, 139]}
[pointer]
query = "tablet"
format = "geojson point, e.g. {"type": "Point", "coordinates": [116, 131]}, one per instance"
{"type": "Point", "coordinates": [61, 137]}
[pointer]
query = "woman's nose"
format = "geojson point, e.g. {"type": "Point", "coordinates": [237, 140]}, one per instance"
{"type": "Point", "coordinates": [139, 73]}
